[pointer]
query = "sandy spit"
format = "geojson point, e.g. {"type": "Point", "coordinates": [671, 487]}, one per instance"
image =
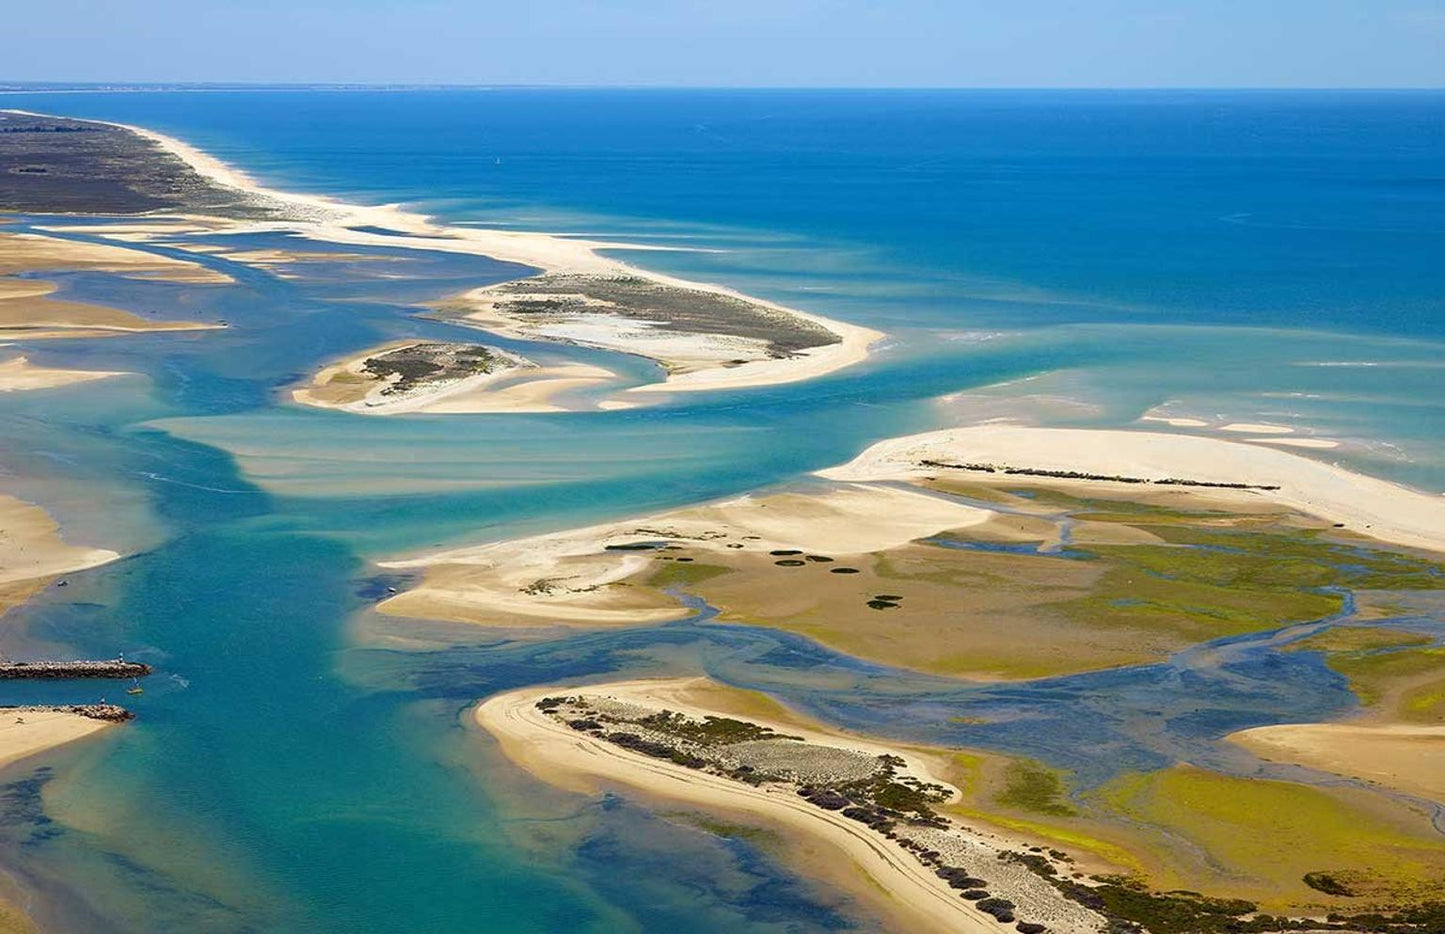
{"type": "Point", "coordinates": [578, 762]}
{"type": "Point", "coordinates": [1362, 504]}
{"type": "Point", "coordinates": [333, 221]}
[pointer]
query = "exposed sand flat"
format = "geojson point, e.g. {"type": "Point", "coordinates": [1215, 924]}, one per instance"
{"type": "Point", "coordinates": [583, 575]}
{"type": "Point", "coordinates": [1316, 443]}
{"type": "Point", "coordinates": [27, 310]}
{"type": "Point", "coordinates": [1176, 422]}
{"type": "Point", "coordinates": [407, 377]}
{"type": "Point", "coordinates": [531, 390]}
{"type": "Point", "coordinates": [565, 757]}
{"type": "Point", "coordinates": [32, 552]}
{"type": "Point", "coordinates": [24, 252]}
{"type": "Point", "coordinates": [19, 375]}
{"type": "Point", "coordinates": [368, 384]}
{"type": "Point", "coordinates": [327, 220]}
{"type": "Point", "coordinates": [1363, 504]}
{"type": "Point", "coordinates": [26, 733]}
{"type": "Point", "coordinates": [751, 343]}
{"type": "Point", "coordinates": [1407, 758]}
{"type": "Point", "coordinates": [1252, 428]}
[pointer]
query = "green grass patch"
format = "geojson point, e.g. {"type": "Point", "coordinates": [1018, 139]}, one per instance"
{"type": "Point", "coordinates": [1029, 786]}
{"type": "Point", "coordinates": [674, 574]}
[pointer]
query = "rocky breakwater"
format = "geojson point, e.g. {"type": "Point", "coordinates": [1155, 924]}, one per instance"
{"type": "Point", "coordinates": [114, 668]}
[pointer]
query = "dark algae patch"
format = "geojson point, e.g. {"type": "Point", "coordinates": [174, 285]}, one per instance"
{"type": "Point", "coordinates": [1029, 786]}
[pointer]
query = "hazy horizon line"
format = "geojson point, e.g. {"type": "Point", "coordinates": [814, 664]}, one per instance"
{"type": "Point", "coordinates": [12, 86]}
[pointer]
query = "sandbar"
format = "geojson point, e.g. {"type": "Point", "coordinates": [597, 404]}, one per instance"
{"type": "Point", "coordinates": [422, 377]}
{"type": "Point", "coordinates": [697, 359]}
{"type": "Point", "coordinates": [20, 375]}
{"type": "Point", "coordinates": [28, 311]}
{"type": "Point", "coordinates": [1362, 504]}
{"type": "Point", "coordinates": [1407, 758]}
{"type": "Point", "coordinates": [583, 575]}
{"type": "Point", "coordinates": [875, 867]}
{"type": "Point", "coordinates": [32, 552]}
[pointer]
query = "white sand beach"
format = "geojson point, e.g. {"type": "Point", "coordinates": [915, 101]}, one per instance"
{"type": "Point", "coordinates": [1362, 504]}
{"type": "Point", "coordinates": [871, 866]}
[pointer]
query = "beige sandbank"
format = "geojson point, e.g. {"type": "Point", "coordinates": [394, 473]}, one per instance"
{"type": "Point", "coordinates": [32, 552]}
{"type": "Point", "coordinates": [20, 375]}
{"type": "Point", "coordinates": [26, 733]}
{"type": "Point", "coordinates": [584, 575]}
{"type": "Point", "coordinates": [23, 252]}
{"type": "Point", "coordinates": [1320, 444]}
{"type": "Point", "coordinates": [1360, 503]}
{"type": "Point", "coordinates": [510, 384]}
{"type": "Point", "coordinates": [875, 868]}
{"type": "Point", "coordinates": [1253, 428]}
{"type": "Point", "coordinates": [1407, 758]}
{"type": "Point", "coordinates": [1174, 421]}
{"type": "Point", "coordinates": [325, 219]}
{"type": "Point", "coordinates": [28, 311]}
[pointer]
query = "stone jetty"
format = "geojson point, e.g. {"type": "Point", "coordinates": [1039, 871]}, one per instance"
{"type": "Point", "coordinates": [115, 668]}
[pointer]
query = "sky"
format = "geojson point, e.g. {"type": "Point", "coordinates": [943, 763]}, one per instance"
{"type": "Point", "coordinates": [770, 43]}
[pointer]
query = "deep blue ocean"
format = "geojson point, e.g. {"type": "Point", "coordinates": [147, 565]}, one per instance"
{"type": "Point", "coordinates": [1071, 258]}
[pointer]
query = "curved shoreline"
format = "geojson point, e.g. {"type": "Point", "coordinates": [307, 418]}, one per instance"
{"type": "Point", "coordinates": [1356, 502]}
{"type": "Point", "coordinates": [329, 220]}
{"type": "Point", "coordinates": [578, 762]}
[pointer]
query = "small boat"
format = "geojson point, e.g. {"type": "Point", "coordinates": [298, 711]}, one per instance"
{"type": "Point", "coordinates": [135, 687]}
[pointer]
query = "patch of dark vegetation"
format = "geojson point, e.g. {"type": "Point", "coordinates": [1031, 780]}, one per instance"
{"type": "Point", "coordinates": [711, 730]}
{"type": "Point", "coordinates": [55, 165]}
{"type": "Point", "coordinates": [415, 365]}
{"type": "Point", "coordinates": [656, 750]}
{"type": "Point", "coordinates": [666, 307]}
{"type": "Point", "coordinates": [1327, 883]}
{"type": "Point", "coordinates": [1079, 475]}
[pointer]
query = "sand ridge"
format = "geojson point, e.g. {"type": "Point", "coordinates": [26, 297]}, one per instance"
{"type": "Point", "coordinates": [1362, 504]}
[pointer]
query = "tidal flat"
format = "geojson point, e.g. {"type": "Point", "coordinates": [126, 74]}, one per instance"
{"type": "Point", "coordinates": [1076, 660]}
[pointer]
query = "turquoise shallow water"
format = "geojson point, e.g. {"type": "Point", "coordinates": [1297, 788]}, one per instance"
{"type": "Point", "coordinates": [1098, 254]}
